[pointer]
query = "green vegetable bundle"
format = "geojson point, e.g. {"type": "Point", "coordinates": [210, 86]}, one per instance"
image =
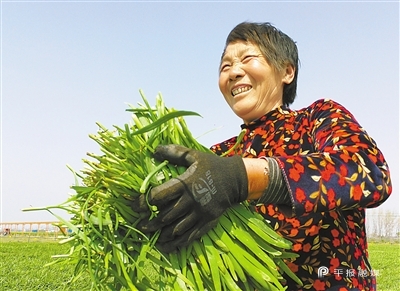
{"type": "Point", "coordinates": [241, 253]}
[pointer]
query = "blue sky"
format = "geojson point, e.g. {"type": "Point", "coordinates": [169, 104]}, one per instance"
{"type": "Point", "coordinates": [67, 64]}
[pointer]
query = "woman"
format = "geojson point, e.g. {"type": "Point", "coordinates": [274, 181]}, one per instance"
{"type": "Point", "coordinates": [311, 172]}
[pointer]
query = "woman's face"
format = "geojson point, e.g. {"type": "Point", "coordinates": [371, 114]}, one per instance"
{"type": "Point", "coordinates": [251, 86]}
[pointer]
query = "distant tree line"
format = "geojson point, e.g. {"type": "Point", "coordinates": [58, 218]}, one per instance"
{"type": "Point", "coordinates": [382, 224]}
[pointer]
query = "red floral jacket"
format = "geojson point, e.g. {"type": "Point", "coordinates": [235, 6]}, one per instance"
{"type": "Point", "coordinates": [333, 170]}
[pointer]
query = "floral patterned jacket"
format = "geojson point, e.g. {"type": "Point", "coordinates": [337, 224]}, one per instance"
{"type": "Point", "coordinates": [333, 170]}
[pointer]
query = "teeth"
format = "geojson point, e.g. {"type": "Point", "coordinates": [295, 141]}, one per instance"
{"type": "Point", "coordinates": [240, 90]}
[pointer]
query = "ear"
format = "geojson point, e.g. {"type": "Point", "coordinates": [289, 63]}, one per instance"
{"type": "Point", "coordinates": [288, 74]}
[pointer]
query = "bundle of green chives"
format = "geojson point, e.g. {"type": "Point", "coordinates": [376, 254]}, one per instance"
{"type": "Point", "coordinates": [241, 253]}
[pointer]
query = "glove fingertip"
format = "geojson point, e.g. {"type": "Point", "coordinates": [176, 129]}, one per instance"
{"type": "Point", "coordinates": [139, 204]}
{"type": "Point", "coordinates": [162, 152]}
{"type": "Point", "coordinates": [149, 226]}
{"type": "Point", "coordinates": [175, 154]}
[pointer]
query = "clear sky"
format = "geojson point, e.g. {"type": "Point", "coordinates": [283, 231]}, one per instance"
{"type": "Point", "coordinates": [67, 64]}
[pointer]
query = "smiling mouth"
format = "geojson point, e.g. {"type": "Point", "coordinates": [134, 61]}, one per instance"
{"type": "Point", "coordinates": [239, 90]}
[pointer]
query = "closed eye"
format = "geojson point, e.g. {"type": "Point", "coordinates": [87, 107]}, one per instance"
{"type": "Point", "coordinates": [247, 58]}
{"type": "Point", "coordinates": [224, 67]}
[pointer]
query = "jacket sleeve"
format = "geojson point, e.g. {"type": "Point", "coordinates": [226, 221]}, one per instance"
{"type": "Point", "coordinates": [346, 170]}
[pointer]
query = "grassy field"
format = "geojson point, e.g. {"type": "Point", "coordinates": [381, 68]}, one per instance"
{"type": "Point", "coordinates": [22, 266]}
{"type": "Point", "coordinates": [385, 261]}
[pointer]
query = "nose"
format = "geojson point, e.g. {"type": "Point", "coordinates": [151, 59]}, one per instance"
{"type": "Point", "coordinates": [236, 71]}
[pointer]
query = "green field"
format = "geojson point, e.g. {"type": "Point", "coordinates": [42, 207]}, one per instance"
{"type": "Point", "coordinates": [22, 266]}
{"type": "Point", "coordinates": [385, 260]}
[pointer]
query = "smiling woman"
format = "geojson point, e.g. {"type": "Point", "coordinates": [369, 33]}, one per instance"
{"type": "Point", "coordinates": [67, 64]}
{"type": "Point", "coordinates": [311, 172]}
{"type": "Point", "coordinates": [250, 85]}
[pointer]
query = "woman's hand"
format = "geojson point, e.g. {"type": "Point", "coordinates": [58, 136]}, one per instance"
{"type": "Point", "coordinates": [190, 204]}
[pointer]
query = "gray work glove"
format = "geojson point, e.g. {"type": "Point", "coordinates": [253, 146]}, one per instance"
{"type": "Point", "coordinates": [190, 204]}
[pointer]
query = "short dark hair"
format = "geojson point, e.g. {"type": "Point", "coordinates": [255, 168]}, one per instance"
{"type": "Point", "coordinates": [278, 49]}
